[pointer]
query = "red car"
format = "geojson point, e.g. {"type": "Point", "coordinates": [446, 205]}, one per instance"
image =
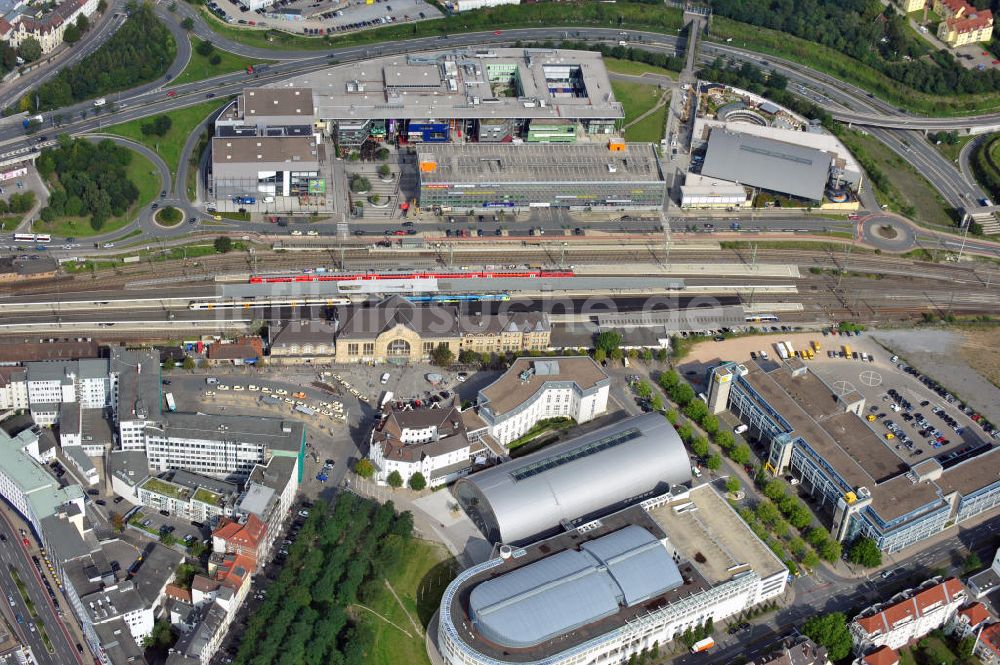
{"type": "Point", "coordinates": [498, 32]}
{"type": "Point", "coordinates": [172, 93]}
{"type": "Point", "coordinates": [400, 232]}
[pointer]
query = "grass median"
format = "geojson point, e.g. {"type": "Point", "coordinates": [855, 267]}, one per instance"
{"type": "Point", "coordinates": [205, 64]}
{"type": "Point", "coordinates": [170, 145]}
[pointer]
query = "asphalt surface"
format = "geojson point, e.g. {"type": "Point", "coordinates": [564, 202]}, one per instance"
{"type": "Point", "coordinates": [13, 555]}
{"type": "Point", "coordinates": [151, 99]}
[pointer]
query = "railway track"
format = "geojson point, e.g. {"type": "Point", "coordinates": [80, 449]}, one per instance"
{"type": "Point", "coordinates": [898, 270]}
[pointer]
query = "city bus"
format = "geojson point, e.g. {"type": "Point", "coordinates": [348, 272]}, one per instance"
{"type": "Point", "coordinates": [32, 237]}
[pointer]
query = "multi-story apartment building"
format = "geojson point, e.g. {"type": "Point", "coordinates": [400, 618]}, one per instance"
{"type": "Point", "coordinates": [869, 488]}
{"type": "Point", "coordinates": [136, 391]}
{"type": "Point", "coordinates": [47, 28]}
{"type": "Point", "coordinates": [921, 610]}
{"type": "Point", "coordinates": [188, 495]}
{"type": "Point", "coordinates": [533, 389]}
{"type": "Point", "coordinates": [440, 444]}
{"type": "Point", "coordinates": [962, 23]}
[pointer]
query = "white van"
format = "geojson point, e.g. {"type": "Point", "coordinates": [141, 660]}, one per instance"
{"type": "Point", "coordinates": [740, 429]}
{"type": "Point", "coordinates": [211, 380]}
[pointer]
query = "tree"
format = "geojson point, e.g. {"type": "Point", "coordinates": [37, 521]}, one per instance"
{"type": "Point", "coordinates": [714, 462]}
{"type": "Point", "coordinates": [661, 356]}
{"type": "Point", "coordinates": [972, 562]}
{"type": "Point", "coordinates": [740, 454]}
{"type": "Point", "coordinates": [223, 244]}
{"type": "Point", "coordinates": [683, 394]}
{"type": "Point", "coordinates": [864, 552]}
{"type": "Point", "coordinates": [831, 550]}
{"type": "Point", "coordinates": [215, 60]}
{"type": "Point", "coordinates": [204, 48]}
{"type": "Point", "coordinates": [71, 34]}
{"type": "Point", "coordinates": [30, 50]}
{"type": "Point", "coordinates": [643, 390]}
{"type": "Point", "coordinates": [188, 23]}
{"type": "Point", "coordinates": [360, 184]}
{"type": "Point", "coordinates": [830, 630]}
{"type": "Point", "coordinates": [384, 171]}
{"type": "Point", "coordinates": [725, 439]}
{"type": "Point", "coordinates": [442, 355]}
{"type": "Point", "coordinates": [609, 340]}
{"type": "Point", "coordinates": [364, 468]}
{"type": "Point", "coordinates": [169, 364]}
{"type": "Point", "coordinates": [647, 355]}
{"type": "Point", "coordinates": [417, 481]}
{"type": "Point", "coordinates": [82, 23]}
{"type": "Point", "coordinates": [656, 404]}
{"type": "Point", "coordinates": [774, 489]}
{"type": "Point", "coordinates": [117, 521]}
{"type": "Point", "coordinates": [732, 484]}
{"type": "Point", "coordinates": [158, 126]}
{"type": "Point", "coordinates": [709, 423]}
{"type": "Point", "coordinates": [700, 446]}
{"type": "Point", "coordinates": [696, 410]}
{"type": "Point", "coordinates": [810, 559]}
{"type": "Point", "coordinates": [189, 363]}
{"type": "Point", "coordinates": [395, 480]}
{"type": "Point", "coordinates": [600, 355]}
{"type": "Point", "coordinates": [669, 380]}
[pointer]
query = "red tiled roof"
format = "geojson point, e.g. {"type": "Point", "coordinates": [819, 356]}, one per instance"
{"type": "Point", "coordinates": [235, 570]}
{"type": "Point", "coordinates": [976, 613]}
{"type": "Point", "coordinates": [227, 529]}
{"type": "Point", "coordinates": [991, 637]}
{"type": "Point", "coordinates": [955, 6]}
{"type": "Point", "coordinates": [203, 584]}
{"type": "Point", "coordinates": [882, 656]}
{"type": "Point", "coordinates": [232, 351]}
{"type": "Point", "coordinates": [178, 593]}
{"type": "Point", "coordinates": [911, 608]}
{"type": "Point", "coordinates": [248, 535]}
{"type": "Point", "coordinates": [982, 18]}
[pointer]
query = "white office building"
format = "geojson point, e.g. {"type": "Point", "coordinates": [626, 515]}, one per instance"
{"type": "Point", "coordinates": [534, 389]}
{"type": "Point", "coordinates": [220, 446]}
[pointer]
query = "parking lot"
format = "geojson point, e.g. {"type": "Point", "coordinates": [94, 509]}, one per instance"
{"type": "Point", "coordinates": [326, 17]}
{"type": "Point", "coordinates": [910, 412]}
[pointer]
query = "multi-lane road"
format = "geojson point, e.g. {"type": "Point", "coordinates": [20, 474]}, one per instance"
{"type": "Point", "coordinates": [14, 556]}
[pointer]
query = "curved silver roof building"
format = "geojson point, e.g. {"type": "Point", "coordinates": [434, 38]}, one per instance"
{"type": "Point", "coordinates": [596, 473]}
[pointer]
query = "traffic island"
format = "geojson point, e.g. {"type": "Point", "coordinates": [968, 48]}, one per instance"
{"type": "Point", "coordinates": [168, 217]}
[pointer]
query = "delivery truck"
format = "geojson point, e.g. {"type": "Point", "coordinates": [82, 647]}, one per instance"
{"type": "Point", "coordinates": [702, 645]}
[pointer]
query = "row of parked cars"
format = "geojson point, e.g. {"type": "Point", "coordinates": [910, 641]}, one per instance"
{"type": "Point", "coordinates": [944, 394]}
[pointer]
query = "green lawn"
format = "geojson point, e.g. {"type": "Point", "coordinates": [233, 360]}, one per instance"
{"type": "Point", "coordinates": [650, 129]}
{"type": "Point", "coordinates": [9, 222]}
{"type": "Point", "coordinates": [633, 68]}
{"type": "Point", "coordinates": [142, 172]}
{"type": "Point", "coordinates": [907, 192]}
{"type": "Point", "coordinates": [419, 581]}
{"type": "Point", "coordinates": [169, 146]}
{"type": "Point", "coordinates": [951, 150]}
{"type": "Point", "coordinates": [637, 98]}
{"type": "Point", "coordinates": [620, 15]}
{"type": "Point", "coordinates": [200, 67]}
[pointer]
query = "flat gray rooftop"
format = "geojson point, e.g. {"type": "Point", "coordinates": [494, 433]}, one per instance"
{"type": "Point", "coordinates": [710, 534]}
{"type": "Point", "coordinates": [538, 163]}
{"type": "Point", "coordinates": [768, 164]}
{"type": "Point", "coordinates": [498, 83]}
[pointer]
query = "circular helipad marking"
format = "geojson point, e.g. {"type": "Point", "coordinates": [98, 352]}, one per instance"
{"type": "Point", "coordinates": [870, 378]}
{"type": "Point", "coordinates": [841, 388]}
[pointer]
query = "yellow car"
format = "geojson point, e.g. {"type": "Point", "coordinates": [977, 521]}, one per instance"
{"type": "Point", "coordinates": [889, 436]}
{"type": "Point", "coordinates": [871, 418]}
{"type": "Point", "coordinates": [217, 218]}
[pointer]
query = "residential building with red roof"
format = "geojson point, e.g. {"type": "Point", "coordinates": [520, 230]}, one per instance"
{"type": "Point", "coordinates": [881, 656]}
{"type": "Point", "coordinates": [963, 23]}
{"type": "Point", "coordinates": [47, 28]}
{"type": "Point", "coordinates": [971, 618]}
{"type": "Point", "coordinates": [247, 538]}
{"type": "Point", "coordinates": [243, 351]}
{"type": "Point", "coordinates": [988, 645]}
{"type": "Point", "coordinates": [908, 616]}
